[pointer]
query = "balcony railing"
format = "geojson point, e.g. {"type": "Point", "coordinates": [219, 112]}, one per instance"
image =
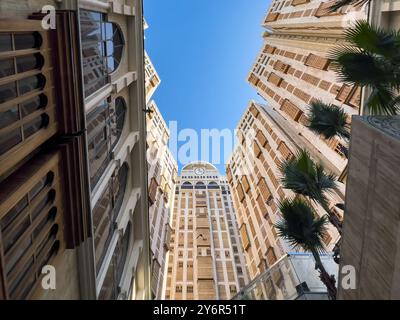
{"type": "Point", "coordinates": [293, 277]}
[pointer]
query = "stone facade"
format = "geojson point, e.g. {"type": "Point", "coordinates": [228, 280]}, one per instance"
{"type": "Point", "coordinates": [371, 227]}
{"type": "Point", "coordinates": [265, 140]}
{"type": "Point", "coordinates": [206, 259]}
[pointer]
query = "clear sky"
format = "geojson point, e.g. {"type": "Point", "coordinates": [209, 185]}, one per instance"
{"type": "Point", "coordinates": [203, 51]}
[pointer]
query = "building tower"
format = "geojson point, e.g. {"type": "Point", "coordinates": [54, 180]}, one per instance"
{"type": "Point", "coordinates": [206, 260]}
{"type": "Point", "coordinates": [163, 171]}
{"type": "Point", "coordinates": [293, 67]}
{"type": "Point", "coordinates": [265, 139]}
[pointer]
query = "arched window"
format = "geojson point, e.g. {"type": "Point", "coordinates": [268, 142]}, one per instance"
{"type": "Point", "coordinates": [213, 185]}
{"type": "Point", "coordinates": [118, 123]}
{"type": "Point", "coordinates": [200, 185]}
{"type": "Point", "coordinates": [187, 185]}
{"type": "Point", "coordinates": [120, 187]}
{"type": "Point", "coordinates": [114, 45]}
{"type": "Point", "coordinates": [102, 48]}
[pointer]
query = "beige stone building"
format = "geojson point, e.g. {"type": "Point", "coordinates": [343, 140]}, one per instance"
{"type": "Point", "coordinates": [265, 139]}
{"type": "Point", "coordinates": [152, 79]}
{"type": "Point", "coordinates": [73, 151]}
{"type": "Point", "coordinates": [163, 171]}
{"type": "Point", "coordinates": [293, 67]}
{"type": "Point", "coordinates": [206, 259]}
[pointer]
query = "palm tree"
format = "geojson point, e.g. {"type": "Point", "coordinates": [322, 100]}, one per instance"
{"type": "Point", "coordinates": [301, 227]}
{"type": "Point", "coordinates": [307, 178]}
{"type": "Point", "coordinates": [371, 59]}
{"type": "Point", "coordinates": [329, 121]}
{"type": "Point", "coordinates": [341, 3]}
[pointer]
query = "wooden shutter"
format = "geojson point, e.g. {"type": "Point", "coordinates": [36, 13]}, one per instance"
{"type": "Point", "coordinates": [245, 237]}
{"type": "Point", "coordinates": [28, 115]}
{"type": "Point", "coordinates": [153, 191]}
{"type": "Point", "coordinates": [32, 224]}
{"type": "Point", "coordinates": [299, 2]}
{"type": "Point", "coordinates": [261, 138]}
{"type": "Point", "coordinates": [275, 79]}
{"type": "Point", "coordinates": [245, 184]}
{"type": "Point", "coordinates": [317, 62]}
{"type": "Point", "coordinates": [271, 17]}
{"type": "Point", "coordinates": [285, 151]}
{"type": "Point", "coordinates": [291, 109]}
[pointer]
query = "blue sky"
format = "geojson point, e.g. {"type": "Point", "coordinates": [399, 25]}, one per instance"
{"type": "Point", "coordinates": [203, 51]}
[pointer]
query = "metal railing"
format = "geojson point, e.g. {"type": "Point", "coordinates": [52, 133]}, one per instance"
{"type": "Point", "coordinates": [292, 277]}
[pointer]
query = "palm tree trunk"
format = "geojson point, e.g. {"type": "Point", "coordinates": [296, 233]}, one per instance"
{"type": "Point", "coordinates": [328, 280]}
{"type": "Point", "coordinates": [332, 217]}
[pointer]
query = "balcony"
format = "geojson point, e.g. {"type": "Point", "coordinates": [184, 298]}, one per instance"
{"type": "Point", "coordinates": [293, 277]}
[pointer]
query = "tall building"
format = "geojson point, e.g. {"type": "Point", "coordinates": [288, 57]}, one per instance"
{"type": "Point", "coordinates": [265, 140]}
{"type": "Point", "coordinates": [73, 176]}
{"type": "Point", "coordinates": [163, 171]}
{"type": "Point", "coordinates": [152, 78]}
{"type": "Point", "coordinates": [293, 67]}
{"type": "Point", "coordinates": [162, 174]}
{"type": "Point", "coordinates": [206, 259]}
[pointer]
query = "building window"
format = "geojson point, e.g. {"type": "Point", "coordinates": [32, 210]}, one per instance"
{"type": "Point", "coordinates": [109, 290]}
{"type": "Point", "coordinates": [200, 185]}
{"type": "Point", "coordinates": [178, 289]}
{"type": "Point", "coordinates": [106, 212]}
{"type": "Point", "coordinates": [213, 185]}
{"type": "Point", "coordinates": [120, 111]}
{"type": "Point", "coordinates": [105, 124]}
{"type": "Point", "coordinates": [187, 185]}
{"type": "Point", "coordinates": [102, 48]}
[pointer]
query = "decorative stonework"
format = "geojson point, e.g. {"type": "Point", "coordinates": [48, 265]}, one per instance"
{"type": "Point", "coordinates": [388, 124]}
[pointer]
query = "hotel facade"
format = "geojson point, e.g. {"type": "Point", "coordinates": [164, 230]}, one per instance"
{"type": "Point", "coordinates": [265, 140]}
{"type": "Point", "coordinates": [206, 259]}
{"type": "Point", "coordinates": [293, 68]}
{"type": "Point", "coordinates": [73, 178]}
{"type": "Point", "coordinates": [163, 171]}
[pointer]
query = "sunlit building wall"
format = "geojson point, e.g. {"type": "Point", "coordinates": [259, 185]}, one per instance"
{"type": "Point", "coordinates": [162, 178]}
{"type": "Point", "coordinates": [293, 67]}
{"type": "Point", "coordinates": [73, 151]}
{"type": "Point", "coordinates": [265, 140]}
{"type": "Point", "coordinates": [206, 259]}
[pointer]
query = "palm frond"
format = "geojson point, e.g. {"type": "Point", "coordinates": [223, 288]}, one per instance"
{"type": "Point", "coordinates": [303, 176]}
{"type": "Point", "coordinates": [383, 101]}
{"type": "Point", "coordinates": [341, 3]}
{"type": "Point", "coordinates": [300, 226]}
{"type": "Point", "coordinates": [328, 120]}
{"type": "Point", "coordinates": [356, 67]}
{"type": "Point", "coordinates": [373, 39]}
